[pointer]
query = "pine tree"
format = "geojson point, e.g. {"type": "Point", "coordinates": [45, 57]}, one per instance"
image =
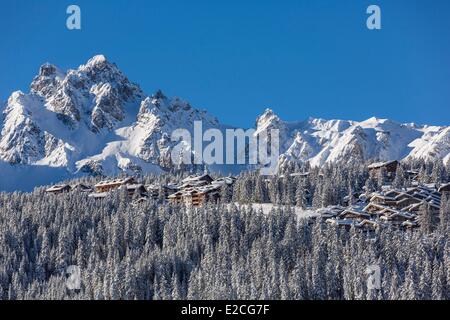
{"type": "Point", "coordinates": [400, 178]}
{"type": "Point", "coordinates": [437, 285]}
{"type": "Point", "coordinates": [425, 218]}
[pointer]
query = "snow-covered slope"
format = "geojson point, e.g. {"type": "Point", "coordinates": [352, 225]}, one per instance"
{"type": "Point", "coordinates": [93, 120]}
{"type": "Point", "coordinates": [319, 141]}
{"type": "Point", "coordinates": [146, 144]}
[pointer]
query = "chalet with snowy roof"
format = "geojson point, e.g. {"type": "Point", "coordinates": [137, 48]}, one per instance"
{"type": "Point", "coordinates": [153, 190]}
{"type": "Point", "coordinates": [353, 199]}
{"type": "Point", "coordinates": [355, 214]}
{"type": "Point", "coordinates": [109, 185]}
{"type": "Point", "coordinates": [136, 189]}
{"type": "Point", "coordinates": [196, 196]}
{"type": "Point", "coordinates": [398, 218]}
{"type": "Point", "coordinates": [409, 199]}
{"type": "Point", "coordinates": [349, 223]}
{"type": "Point", "coordinates": [197, 190]}
{"type": "Point", "coordinates": [409, 224]}
{"type": "Point", "coordinates": [196, 181]}
{"type": "Point", "coordinates": [369, 224]}
{"type": "Point", "coordinates": [378, 210]}
{"type": "Point", "coordinates": [330, 212]}
{"type": "Point", "coordinates": [98, 195]}
{"type": "Point", "coordinates": [391, 207]}
{"type": "Point", "coordinates": [445, 188]}
{"type": "Point", "coordinates": [80, 187]}
{"type": "Point", "coordinates": [59, 188]}
{"type": "Point", "coordinates": [300, 174]}
{"type": "Point", "coordinates": [389, 166]}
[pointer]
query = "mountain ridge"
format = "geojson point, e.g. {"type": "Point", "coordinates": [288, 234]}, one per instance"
{"type": "Point", "coordinates": [94, 120]}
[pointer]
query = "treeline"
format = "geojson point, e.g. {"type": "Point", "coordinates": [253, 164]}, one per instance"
{"type": "Point", "coordinates": [335, 184]}
{"type": "Point", "coordinates": [153, 250]}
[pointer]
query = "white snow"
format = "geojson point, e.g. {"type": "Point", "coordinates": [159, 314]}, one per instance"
{"type": "Point", "coordinates": [93, 116]}
{"type": "Point", "coordinates": [327, 141]}
{"type": "Point", "coordinates": [266, 208]}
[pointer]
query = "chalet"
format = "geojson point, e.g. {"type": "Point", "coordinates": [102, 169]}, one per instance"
{"type": "Point", "coordinates": [196, 196]}
{"type": "Point", "coordinates": [134, 189]}
{"type": "Point", "coordinates": [106, 186]}
{"type": "Point", "coordinates": [368, 224]}
{"type": "Point", "coordinates": [300, 174]}
{"type": "Point", "coordinates": [408, 199]}
{"type": "Point", "coordinates": [398, 218]}
{"type": "Point", "coordinates": [355, 214]}
{"type": "Point", "coordinates": [60, 188]}
{"type": "Point", "coordinates": [98, 195]}
{"type": "Point", "coordinates": [80, 187]}
{"type": "Point", "coordinates": [415, 208]}
{"type": "Point", "coordinates": [140, 200]}
{"type": "Point", "coordinates": [349, 223]}
{"type": "Point", "coordinates": [445, 189]}
{"type": "Point", "coordinates": [224, 181]}
{"type": "Point", "coordinates": [170, 189]}
{"type": "Point", "coordinates": [196, 181]}
{"type": "Point", "coordinates": [176, 198]}
{"type": "Point", "coordinates": [377, 210]}
{"type": "Point", "coordinates": [409, 224]}
{"type": "Point", "coordinates": [353, 199]}
{"type": "Point", "coordinates": [330, 212]}
{"type": "Point", "coordinates": [394, 207]}
{"type": "Point", "coordinates": [390, 166]}
{"type": "Point", "coordinates": [152, 190]}
{"type": "Point", "coordinates": [197, 190]}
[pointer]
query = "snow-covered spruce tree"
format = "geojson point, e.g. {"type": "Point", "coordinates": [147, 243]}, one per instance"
{"type": "Point", "coordinates": [425, 219]}
{"type": "Point", "coordinates": [155, 250]}
{"type": "Point", "coordinates": [400, 178]}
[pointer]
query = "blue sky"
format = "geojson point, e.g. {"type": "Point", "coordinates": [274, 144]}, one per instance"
{"type": "Point", "coordinates": [235, 58]}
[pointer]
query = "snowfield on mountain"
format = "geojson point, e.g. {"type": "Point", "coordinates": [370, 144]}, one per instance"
{"type": "Point", "coordinates": [93, 120]}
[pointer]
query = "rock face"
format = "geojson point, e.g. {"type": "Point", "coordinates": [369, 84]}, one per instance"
{"type": "Point", "coordinates": [22, 140]}
{"type": "Point", "coordinates": [66, 114]}
{"type": "Point", "coordinates": [95, 93]}
{"type": "Point", "coordinates": [319, 141]}
{"type": "Point", "coordinates": [93, 120]}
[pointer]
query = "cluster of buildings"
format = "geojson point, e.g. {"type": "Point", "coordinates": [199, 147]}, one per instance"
{"type": "Point", "coordinates": [194, 190]}
{"type": "Point", "coordinates": [390, 169]}
{"type": "Point", "coordinates": [395, 207]}
{"type": "Point", "coordinates": [197, 190]}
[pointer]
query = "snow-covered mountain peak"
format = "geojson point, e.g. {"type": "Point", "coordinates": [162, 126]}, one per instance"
{"type": "Point", "coordinates": [92, 119]}
{"type": "Point", "coordinates": [171, 113]}
{"type": "Point", "coordinates": [319, 141]}
{"type": "Point", "coordinates": [383, 124]}
{"type": "Point", "coordinates": [97, 59]}
{"type": "Point", "coordinates": [268, 120]}
{"type": "Point", "coordinates": [97, 64]}
{"type": "Point", "coordinates": [95, 95]}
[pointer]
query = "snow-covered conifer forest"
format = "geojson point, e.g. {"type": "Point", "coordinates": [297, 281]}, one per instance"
{"type": "Point", "coordinates": [153, 249]}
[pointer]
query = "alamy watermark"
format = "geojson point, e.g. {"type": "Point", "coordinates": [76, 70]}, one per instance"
{"type": "Point", "coordinates": [373, 273]}
{"type": "Point", "coordinates": [238, 146]}
{"type": "Point", "coordinates": [374, 20]}
{"type": "Point", "coordinates": [73, 278]}
{"type": "Point", "coordinates": [73, 22]}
